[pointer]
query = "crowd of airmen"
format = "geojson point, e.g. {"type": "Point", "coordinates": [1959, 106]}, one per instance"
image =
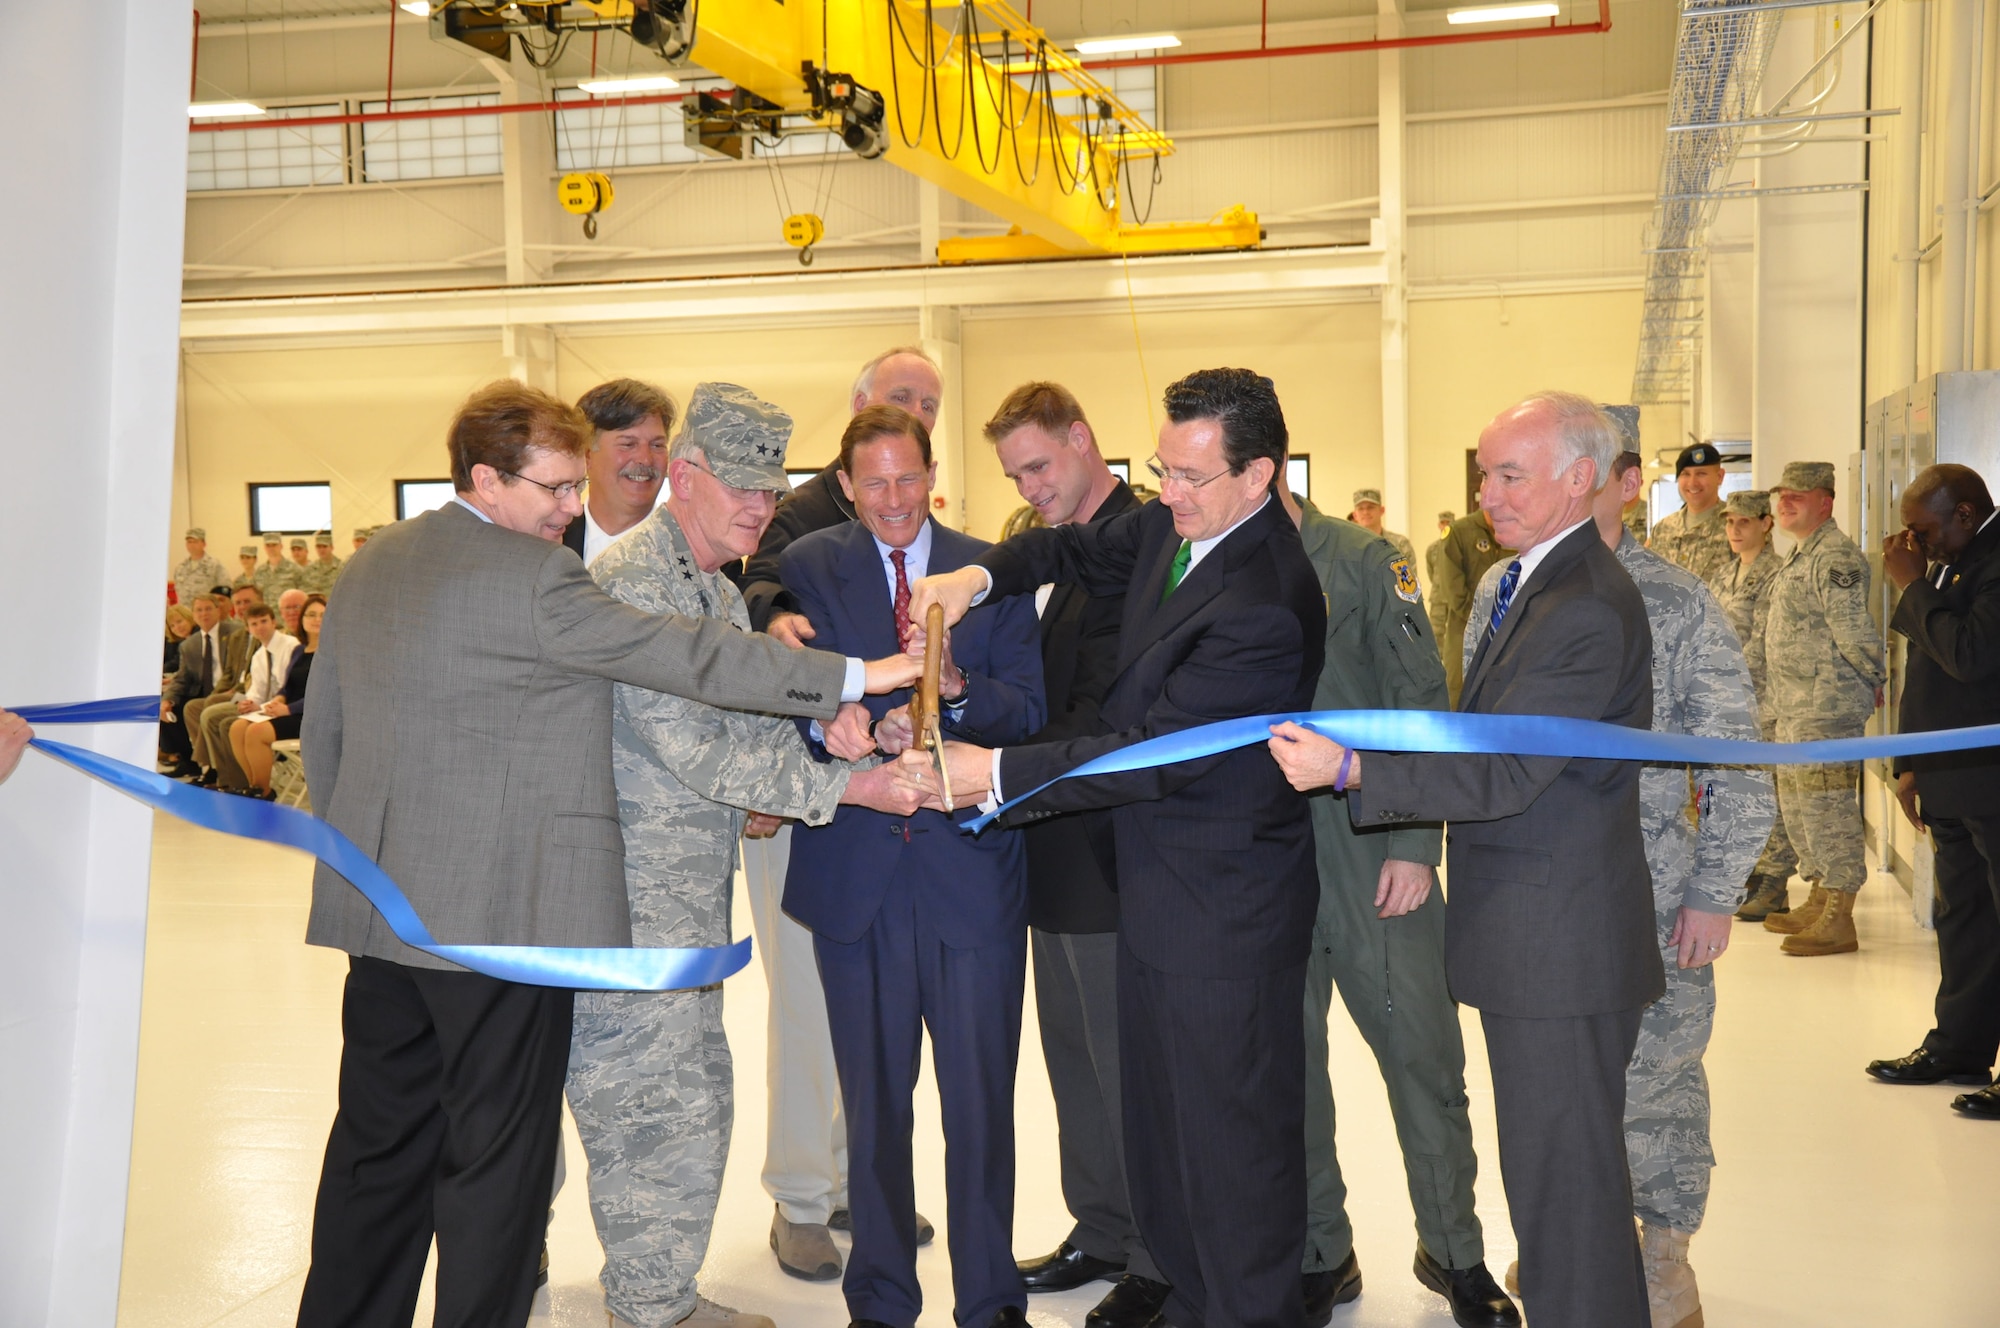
{"type": "Point", "coordinates": [312, 566]}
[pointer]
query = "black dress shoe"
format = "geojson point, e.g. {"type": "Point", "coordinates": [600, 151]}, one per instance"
{"type": "Point", "coordinates": [207, 779]}
{"type": "Point", "coordinates": [1922, 1067]}
{"type": "Point", "coordinates": [1322, 1291]}
{"type": "Point", "coordinates": [542, 1272]}
{"type": "Point", "coordinates": [1984, 1104]}
{"type": "Point", "coordinates": [1476, 1299]}
{"type": "Point", "coordinates": [866, 1323]}
{"type": "Point", "coordinates": [1066, 1269]}
{"type": "Point", "coordinates": [842, 1220]}
{"type": "Point", "coordinates": [1009, 1316]}
{"type": "Point", "coordinates": [1133, 1302]}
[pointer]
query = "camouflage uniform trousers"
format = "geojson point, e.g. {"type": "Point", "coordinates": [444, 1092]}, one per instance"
{"type": "Point", "coordinates": [1820, 808]}
{"type": "Point", "coordinates": [1666, 1096]}
{"type": "Point", "coordinates": [1779, 859]}
{"type": "Point", "coordinates": [652, 1088]}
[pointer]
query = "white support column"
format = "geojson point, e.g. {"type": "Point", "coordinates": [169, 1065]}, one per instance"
{"type": "Point", "coordinates": [1906, 194]}
{"type": "Point", "coordinates": [929, 228]}
{"type": "Point", "coordinates": [530, 352]}
{"type": "Point", "coordinates": [1959, 54]}
{"type": "Point", "coordinates": [938, 334]}
{"type": "Point", "coordinates": [1395, 286]}
{"type": "Point", "coordinates": [94, 366]}
{"type": "Point", "coordinates": [526, 183]}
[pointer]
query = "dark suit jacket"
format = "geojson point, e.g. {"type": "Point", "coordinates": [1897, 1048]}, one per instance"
{"type": "Point", "coordinates": [818, 504]}
{"type": "Point", "coordinates": [573, 536]}
{"type": "Point", "coordinates": [1551, 903]}
{"type": "Point", "coordinates": [840, 871]}
{"type": "Point", "coordinates": [1215, 856]}
{"type": "Point", "coordinates": [1952, 678]}
{"type": "Point", "coordinates": [1072, 861]}
{"type": "Point", "coordinates": [185, 685]}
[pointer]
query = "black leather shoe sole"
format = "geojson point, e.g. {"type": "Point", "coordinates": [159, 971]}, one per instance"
{"type": "Point", "coordinates": [1066, 1269]}
{"type": "Point", "coordinates": [1984, 1105]}
{"type": "Point", "coordinates": [1323, 1291]}
{"type": "Point", "coordinates": [1920, 1067]}
{"type": "Point", "coordinates": [1133, 1302]}
{"type": "Point", "coordinates": [1476, 1299]}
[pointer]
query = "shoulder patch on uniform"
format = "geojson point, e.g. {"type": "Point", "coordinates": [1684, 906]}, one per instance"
{"type": "Point", "coordinates": [1847, 578]}
{"type": "Point", "coordinates": [1406, 579]}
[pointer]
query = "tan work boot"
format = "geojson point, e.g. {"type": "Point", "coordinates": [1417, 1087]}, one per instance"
{"type": "Point", "coordinates": [1796, 921]}
{"type": "Point", "coordinates": [1767, 895]}
{"type": "Point", "coordinates": [1514, 1277]}
{"type": "Point", "coordinates": [706, 1314]}
{"type": "Point", "coordinates": [1670, 1290]}
{"type": "Point", "coordinates": [1832, 932]}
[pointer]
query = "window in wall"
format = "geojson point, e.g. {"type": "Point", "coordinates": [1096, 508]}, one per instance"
{"type": "Point", "coordinates": [290, 509]}
{"type": "Point", "coordinates": [1121, 468]}
{"type": "Point", "coordinates": [798, 477]}
{"type": "Point", "coordinates": [1298, 475]}
{"type": "Point", "coordinates": [436, 149]}
{"type": "Point", "coordinates": [600, 136]}
{"type": "Point", "coordinates": [265, 155]}
{"type": "Point", "coordinates": [414, 497]}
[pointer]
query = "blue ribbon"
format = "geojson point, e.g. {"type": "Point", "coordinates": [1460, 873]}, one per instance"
{"type": "Point", "coordinates": [1514, 735]}
{"type": "Point", "coordinates": [587, 968]}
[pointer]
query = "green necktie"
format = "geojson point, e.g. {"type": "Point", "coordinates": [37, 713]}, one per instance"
{"type": "Point", "coordinates": [1177, 571]}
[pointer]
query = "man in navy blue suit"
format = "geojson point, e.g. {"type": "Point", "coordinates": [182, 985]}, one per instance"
{"type": "Point", "coordinates": [914, 922]}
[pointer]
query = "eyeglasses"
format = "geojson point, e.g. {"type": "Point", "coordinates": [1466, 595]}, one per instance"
{"type": "Point", "coordinates": [1180, 477]}
{"type": "Point", "coordinates": [566, 490]}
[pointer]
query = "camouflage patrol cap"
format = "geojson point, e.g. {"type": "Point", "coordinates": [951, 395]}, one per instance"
{"type": "Point", "coordinates": [1367, 496]}
{"type": "Point", "coordinates": [298, 543]}
{"type": "Point", "coordinates": [273, 537]}
{"type": "Point", "coordinates": [247, 551]}
{"type": "Point", "coordinates": [1447, 517]}
{"type": "Point", "coordinates": [196, 532]}
{"type": "Point", "coordinates": [742, 435]}
{"type": "Point", "coordinates": [1802, 475]}
{"type": "Point", "coordinates": [1748, 502]}
{"type": "Point", "coordinates": [363, 532]}
{"type": "Point", "coordinates": [323, 539]}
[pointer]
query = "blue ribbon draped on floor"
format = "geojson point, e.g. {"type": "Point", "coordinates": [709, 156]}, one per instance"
{"type": "Point", "coordinates": [589, 968]}
{"type": "Point", "coordinates": [1515, 735]}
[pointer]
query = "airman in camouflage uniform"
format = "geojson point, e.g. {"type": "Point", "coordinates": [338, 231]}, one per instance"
{"type": "Point", "coordinates": [276, 574]}
{"type": "Point", "coordinates": [318, 576]}
{"type": "Point", "coordinates": [1470, 548]}
{"type": "Point", "coordinates": [650, 1078]}
{"type": "Point", "coordinates": [1746, 600]}
{"type": "Point", "coordinates": [1368, 515]}
{"type": "Point", "coordinates": [247, 556]}
{"type": "Point", "coordinates": [1703, 827]}
{"type": "Point", "coordinates": [1823, 663]}
{"type": "Point", "coordinates": [1698, 543]}
{"type": "Point", "coordinates": [197, 574]}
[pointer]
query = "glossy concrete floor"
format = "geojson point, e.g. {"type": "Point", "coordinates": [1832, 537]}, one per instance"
{"type": "Point", "coordinates": [1838, 1200]}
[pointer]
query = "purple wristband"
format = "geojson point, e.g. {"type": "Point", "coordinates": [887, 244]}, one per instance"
{"type": "Point", "coordinates": [1346, 768]}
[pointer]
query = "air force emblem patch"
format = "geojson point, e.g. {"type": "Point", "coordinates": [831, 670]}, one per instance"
{"type": "Point", "coordinates": [1406, 580]}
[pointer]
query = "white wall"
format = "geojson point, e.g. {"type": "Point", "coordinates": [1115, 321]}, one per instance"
{"type": "Point", "coordinates": [89, 278]}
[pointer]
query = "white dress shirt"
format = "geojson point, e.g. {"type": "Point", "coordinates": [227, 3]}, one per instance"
{"type": "Point", "coordinates": [1532, 558]}
{"type": "Point", "coordinates": [270, 666]}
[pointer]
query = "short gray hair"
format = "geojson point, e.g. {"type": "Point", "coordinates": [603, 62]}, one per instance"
{"type": "Point", "coordinates": [686, 448]}
{"type": "Point", "coordinates": [865, 380]}
{"type": "Point", "coordinates": [1583, 432]}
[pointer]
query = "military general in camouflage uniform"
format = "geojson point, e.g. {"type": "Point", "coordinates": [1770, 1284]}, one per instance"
{"type": "Point", "coordinates": [1695, 537]}
{"type": "Point", "coordinates": [197, 574]}
{"type": "Point", "coordinates": [1703, 827]}
{"type": "Point", "coordinates": [650, 1080]}
{"type": "Point", "coordinates": [318, 576]}
{"type": "Point", "coordinates": [1823, 663]}
{"type": "Point", "coordinates": [1746, 601]}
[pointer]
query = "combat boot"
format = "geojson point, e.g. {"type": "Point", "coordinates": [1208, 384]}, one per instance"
{"type": "Point", "coordinates": [1670, 1290]}
{"type": "Point", "coordinates": [1832, 932]}
{"type": "Point", "coordinates": [1767, 896]}
{"type": "Point", "coordinates": [1789, 924]}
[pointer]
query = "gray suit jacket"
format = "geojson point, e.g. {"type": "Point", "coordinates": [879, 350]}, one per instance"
{"type": "Point", "coordinates": [1551, 909]}
{"type": "Point", "coordinates": [185, 685]}
{"type": "Point", "coordinates": [460, 732]}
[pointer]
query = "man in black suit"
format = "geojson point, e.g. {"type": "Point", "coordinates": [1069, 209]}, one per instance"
{"type": "Point", "coordinates": [1223, 618]}
{"type": "Point", "coordinates": [629, 422]}
{"type": "Point", "coordinates": [1946, 563]}
{"type": "Point", "coordinates": [1550, 929]}
{"type": "Point", "coordinates": [1046, 447]}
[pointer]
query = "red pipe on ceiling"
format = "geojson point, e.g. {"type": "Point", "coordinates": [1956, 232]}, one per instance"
{"type": "Point", "coordinates": [1603, 24]}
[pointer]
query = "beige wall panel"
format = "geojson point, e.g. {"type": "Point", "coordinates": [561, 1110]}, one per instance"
{"type": "Point", "coordinates": [1635, 56]}
{"type": "Point", "coordinates": [433, 225]}
{"type": "Point", "coordinates": [1600, 243]}
{"type": "Point", "coordinates": [1252, 92]}
{"type": "Point", "coordinates": [1324, 359]}
{"type": "Point", "coordinates": [1273, 175]}
{"type": "Point", "coordinates": [1472, 358]}
{"type": "Point", "coordinates": [1532, 157]}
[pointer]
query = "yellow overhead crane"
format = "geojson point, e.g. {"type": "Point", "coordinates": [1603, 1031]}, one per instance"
{"type": "Point", "coordinates": [993, 112]}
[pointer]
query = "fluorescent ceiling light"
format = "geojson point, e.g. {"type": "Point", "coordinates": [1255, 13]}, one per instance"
{"type": "Point", "coordinates": [421, 8]}
{"type": "Point", "coordinates": [612, 87]}
{"type": "Point", "coordinates": [1501, 13]}
{"type": "Point", "coordinates": [1117, 45]}
{"type": "Point", "coordinates": [215, 110]}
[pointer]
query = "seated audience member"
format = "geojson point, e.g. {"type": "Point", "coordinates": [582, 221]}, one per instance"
{"type": "Point", "coordinates": [263, 680]}
{"type": "Point", "coordinates": [174, 747]}
{"type": "Point", "coordinates": [242, 597]}
{"type": "Point", "coordinates": [251, 736]}
{"type": "Point", "coordinates": [204, 664]}
{"type": "Point", "coordinates": [291, 604]}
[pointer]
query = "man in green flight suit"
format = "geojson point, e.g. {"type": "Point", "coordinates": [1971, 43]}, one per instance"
{"type": "Point", "coordinates": [1379, 938]}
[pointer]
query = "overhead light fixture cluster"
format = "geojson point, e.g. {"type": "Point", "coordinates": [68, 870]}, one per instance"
{"type": "Point", "coordinates": [1501, 13]}
{"type": "Point", "coordinates": [421, 8]}
{"type": "Point", "coordinates": [618, 87]}
{"type": "Point", "coordinates": [1126, 45]}
{"type": "Point", "coordinates": [219, 110]}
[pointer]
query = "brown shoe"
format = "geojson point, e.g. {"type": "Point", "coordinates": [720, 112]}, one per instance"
{"type": "Point", "coordinates": [1513, 1278]}
{"type": "Point", "coordinates": [1768, 895]}
{"type": "Point", "coordinates": [1671, 1296]}
{"type": "Point", "coordinates": [804, 1249]}
{"type": "Point", "coordinates": [1832, 932]}
{"type": "Point", "coordinates": [1796, 921]}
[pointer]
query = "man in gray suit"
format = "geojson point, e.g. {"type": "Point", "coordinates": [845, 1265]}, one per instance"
{"type": "Point", "coordinates": [1550, 929]}
{"type": "Point", "coordinates": [460, 733]}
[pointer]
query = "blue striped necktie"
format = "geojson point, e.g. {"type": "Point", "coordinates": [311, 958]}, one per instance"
{"type": "Point", "coordinates": [1509, 579]}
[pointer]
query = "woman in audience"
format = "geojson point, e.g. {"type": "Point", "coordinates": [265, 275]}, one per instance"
{"type": "Point", "coordinates": [250, 738]}
{"type": "Point", "coordinates": [174, 744]}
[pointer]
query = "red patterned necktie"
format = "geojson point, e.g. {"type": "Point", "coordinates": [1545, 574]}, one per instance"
{"type": "Point", "coordinates": [896, 556]}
